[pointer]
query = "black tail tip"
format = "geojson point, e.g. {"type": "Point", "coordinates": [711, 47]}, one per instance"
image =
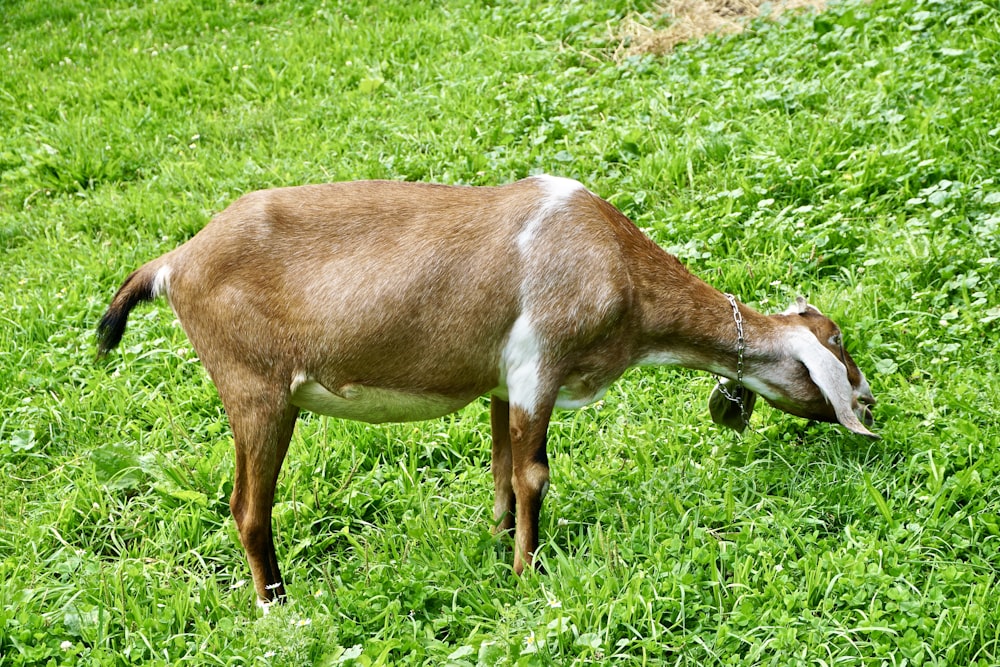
{"type": "Point", "coordinates": [110, 331]}
{"type": "Point", "coordinates": [137, 287]}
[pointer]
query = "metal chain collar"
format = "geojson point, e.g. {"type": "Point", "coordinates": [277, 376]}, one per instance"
{"type": "Point", "coordinates": [741, 347]}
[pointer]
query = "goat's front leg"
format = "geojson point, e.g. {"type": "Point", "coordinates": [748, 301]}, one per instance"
{"type": "Point", "coordinates": [530, 479]}
{"type": "Point", "coordinates": [502, 467]}
{"type": "Point", "coordinates": [262, 429]}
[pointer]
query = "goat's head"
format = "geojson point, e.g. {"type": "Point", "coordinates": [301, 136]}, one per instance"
{"type": "Point", "coordinates": [812, 376]}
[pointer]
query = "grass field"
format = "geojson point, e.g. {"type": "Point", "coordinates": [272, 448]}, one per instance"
{"type": "Point", "coordinates": [852, 156]}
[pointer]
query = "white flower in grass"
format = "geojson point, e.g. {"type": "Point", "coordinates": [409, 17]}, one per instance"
{"type": "Point", "coordinates": [303, 622]}
{"type": "Point", "coordinates": [270, 654]}
{"type": "Point", "coordinates": [554, 603]}
{"type": "Point", "coordinates": [530, 643]}
{"type": "Point", "coordinates": [66, 645]}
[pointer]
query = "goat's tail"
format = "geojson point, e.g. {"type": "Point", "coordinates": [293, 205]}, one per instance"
{"type": "Point", "coordinates": [144, 284]}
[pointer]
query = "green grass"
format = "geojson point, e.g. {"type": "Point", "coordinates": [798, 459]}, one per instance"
{"type": "Point", "coordinates": [852, 156]}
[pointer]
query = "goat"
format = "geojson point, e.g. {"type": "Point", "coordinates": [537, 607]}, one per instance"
{"type": "Point", "coordinates": [384, 301]}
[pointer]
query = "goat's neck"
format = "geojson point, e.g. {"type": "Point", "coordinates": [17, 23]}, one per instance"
{"type": "Point", "coordinates": [691, 324]}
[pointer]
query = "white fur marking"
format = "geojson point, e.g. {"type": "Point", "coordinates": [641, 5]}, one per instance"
{"type": "Point", "coordinates": [520, 371]}
{"type": "Point", "coordinates": [558, 188]}
{"type": "Point", "coordinates": [161, 280]}
{"type": "Point", "coordinates": [375, 405]}
{"type": "Point", "coordinates": [660, 358]}
{"type": "Point", "coordinates": [687, 360]}
{"type": "Point", "coordinates": [570, 400]}
{"type": "Point", "coordinates": [521, 365]}
{"type": "Point", "coordinates": [527, 235]}
{"type": "Point", "coordinates": [558, 191]}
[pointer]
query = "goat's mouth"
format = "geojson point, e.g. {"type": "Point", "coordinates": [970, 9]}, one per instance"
{"type": "Point", "coordinates": [864, 410]}
{"type": "Point", "coordinates": [865, 415]}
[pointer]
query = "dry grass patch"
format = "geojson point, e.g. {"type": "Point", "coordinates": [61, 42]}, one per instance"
{"type": "Point", "coordinates": [694, 19]}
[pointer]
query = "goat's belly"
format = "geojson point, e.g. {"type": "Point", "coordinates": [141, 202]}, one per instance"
{"type": "Point", "coordinates": [374, 405]}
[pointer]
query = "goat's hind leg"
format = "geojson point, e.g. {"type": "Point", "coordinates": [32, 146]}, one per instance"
{"type": "Point", "coordinates": [502, 467]}
{"type": "Point", "coordinates": [262, 426]}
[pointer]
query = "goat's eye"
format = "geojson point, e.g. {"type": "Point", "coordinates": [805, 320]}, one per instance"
{"type": "Point", "coordinates": [836, 340]}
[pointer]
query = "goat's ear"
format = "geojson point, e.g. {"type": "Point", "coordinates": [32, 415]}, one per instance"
{"type": "Point", "coordinates": [729, 413]}
{"type": "Point", "coordinates": [830, 375]}
{"type": "Point", "coordinates": [799, 307]}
